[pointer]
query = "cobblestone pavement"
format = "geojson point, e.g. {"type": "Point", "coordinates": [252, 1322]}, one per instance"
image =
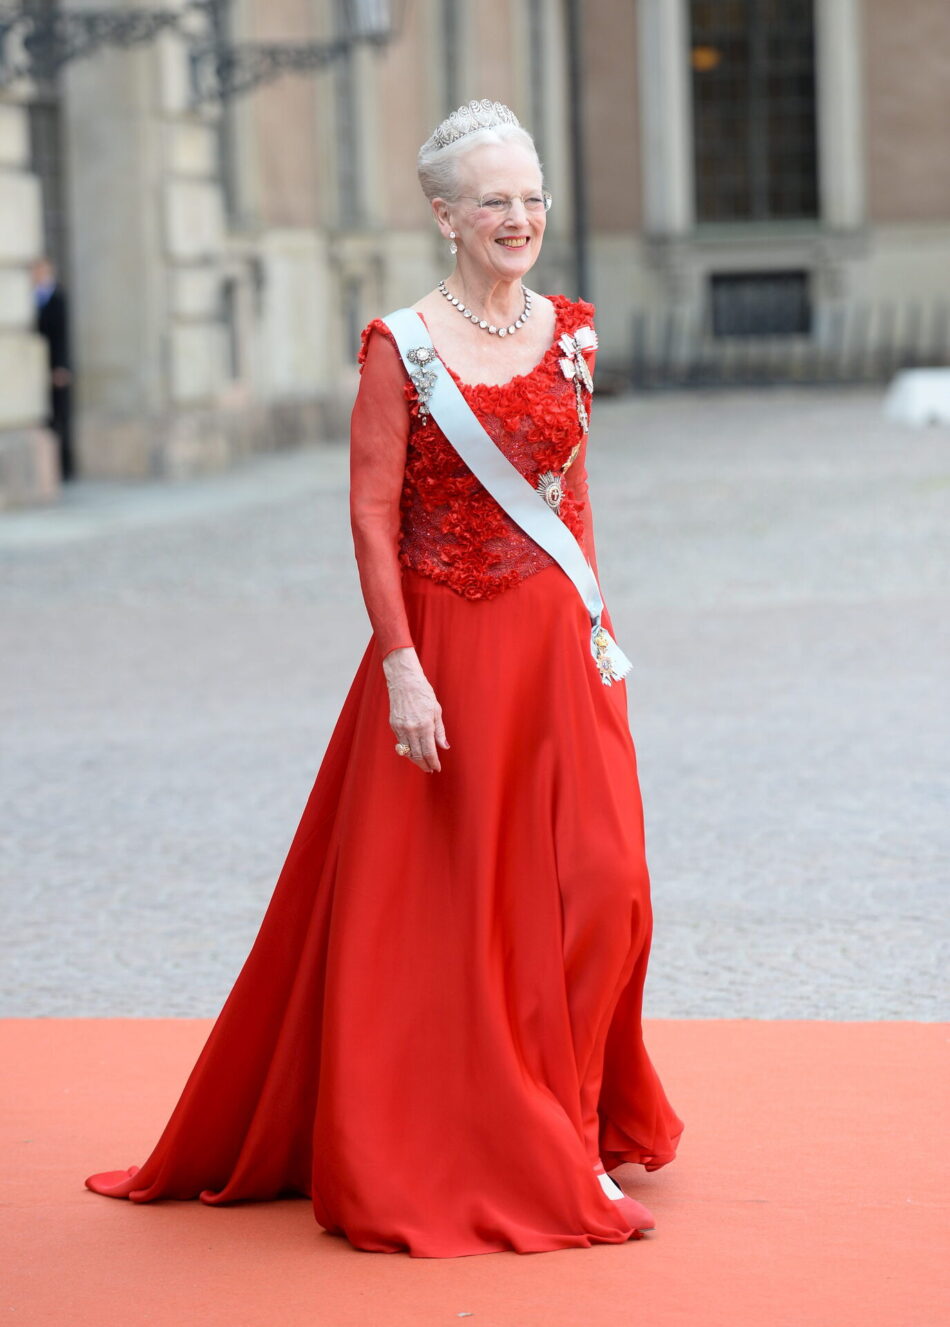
{"type": "Point", "coordinates": [778, 567]}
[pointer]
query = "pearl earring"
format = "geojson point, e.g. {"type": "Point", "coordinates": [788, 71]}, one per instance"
{"type": "Point", "coordinates": [453, 247]}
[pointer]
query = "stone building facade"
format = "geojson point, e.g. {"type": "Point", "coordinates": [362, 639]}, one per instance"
{"type": "Point", "coordinates": [221, 257]}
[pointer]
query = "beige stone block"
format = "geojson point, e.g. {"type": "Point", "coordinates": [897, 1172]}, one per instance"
{"type": "Point", "coordinates": [170, 52]}
{"type": "Point", "coordinates": [623, 282]}
{"type": "Point", "coordinates": [194, 221]}
{"type": "Point", "coordinates": [907, 264]}
{"type": "Point", "coordinates": [20, 216]}
{"type": "Point", "coordinates": [29, 468]}
{"type": "Point", "coordinates": [299, 344]}
{"type": "Point", "coordinates": [23, 367]}
{"type": "Point", "coordinates": [413, 262]}
{"type": "Point", "coordinates": [111, 448]}
{"type": "Point", "coordinates": [196, 443]}
{"type": "Point", "coordinates": [16, 298]}
{"type": "Point", "coordinates": [192, 149]}
{"type": "Point", "coordinates": [171, 62]}
{"type": "Point", "coordinates": [196, 293]}
{"type": "Point", "coordinates": [196, 360]}
{"type": "Point", "coordinates": [14, 135]}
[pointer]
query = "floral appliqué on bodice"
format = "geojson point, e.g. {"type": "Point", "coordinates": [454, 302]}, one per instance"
{"type": "Point", "coordinates": [452, 530]}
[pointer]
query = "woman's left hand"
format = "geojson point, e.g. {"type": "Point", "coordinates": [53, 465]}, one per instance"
{"type": "Point", "coordinates": [415, 714]}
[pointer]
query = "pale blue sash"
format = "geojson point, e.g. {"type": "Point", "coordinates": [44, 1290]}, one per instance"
{"type": "Point", "coordinates": [440, 396]}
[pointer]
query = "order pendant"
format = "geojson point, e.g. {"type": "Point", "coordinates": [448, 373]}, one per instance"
{"type": "Point", "coordinates": [550, 488]}
{"type": "Point", "coordinates": [582, 417]}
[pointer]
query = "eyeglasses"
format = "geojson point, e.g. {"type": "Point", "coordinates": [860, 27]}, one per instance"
{"type": "Point", "coordinates": [499, 204]}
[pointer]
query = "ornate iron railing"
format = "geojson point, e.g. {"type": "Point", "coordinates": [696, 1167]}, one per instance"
{"type": "Point", "coordinates": [38, 39]}
{"type": "Point", "coordinates": [863, 343]}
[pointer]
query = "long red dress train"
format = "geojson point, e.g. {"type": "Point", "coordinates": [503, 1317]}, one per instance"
{"type": "Point", "coordinates": [437, 1034]}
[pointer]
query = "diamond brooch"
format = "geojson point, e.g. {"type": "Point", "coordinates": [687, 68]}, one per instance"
{"type": "Point", "coordinates": [424, 379]}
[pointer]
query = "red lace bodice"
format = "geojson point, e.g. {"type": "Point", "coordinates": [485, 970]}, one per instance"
{"type": "Point", "coordinates": [409, 487]}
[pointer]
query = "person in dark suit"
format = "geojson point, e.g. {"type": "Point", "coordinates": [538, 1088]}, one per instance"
{"type": "Point", "coordinates": [52, 323]}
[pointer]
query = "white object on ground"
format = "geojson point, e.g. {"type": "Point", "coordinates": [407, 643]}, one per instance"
{"type": "Point", "coordinates": [919, 396]}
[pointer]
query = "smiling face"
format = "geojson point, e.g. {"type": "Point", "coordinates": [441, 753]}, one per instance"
{"type": "Point", "coordinates": [505, 245]}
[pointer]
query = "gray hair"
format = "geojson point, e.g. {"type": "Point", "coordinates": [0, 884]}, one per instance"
{"type": "Point", "coordinates": [437, 165]}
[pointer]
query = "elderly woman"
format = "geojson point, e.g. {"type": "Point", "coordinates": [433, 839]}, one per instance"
{"type": "Point", "coordinates": [437, 1035]}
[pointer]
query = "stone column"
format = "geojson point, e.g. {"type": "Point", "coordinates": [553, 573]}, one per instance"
{"type": "Point", "coordinates": [118, 299]}
{"type": "Point", "coordinates": [199, 436]}
{"type": "Point", "coordinates": [148, 237]}
{"type": "Point", "coordinates": [29, 467]}
{"type": "Point", "coordinates": [665, 117]}
{"type": "Point", "coordinates": [839, 69]}
{"type": "Point", "coordinates": [841, 155]}
{"type": "Point", "coordinates": [666, 152]}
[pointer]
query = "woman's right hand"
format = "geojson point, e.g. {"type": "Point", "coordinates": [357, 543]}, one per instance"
{"type": "Point", "coordinates": [415, 715]}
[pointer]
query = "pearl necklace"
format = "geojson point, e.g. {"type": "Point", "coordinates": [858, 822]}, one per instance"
{"type": "Point", "coordinates": [480, 322]}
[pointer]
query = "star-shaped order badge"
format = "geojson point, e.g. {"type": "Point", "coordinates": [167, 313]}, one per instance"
{"type": "Point", "coordinates": [574, 366]}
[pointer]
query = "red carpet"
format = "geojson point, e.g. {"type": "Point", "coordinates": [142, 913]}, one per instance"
{"type": "Point", "coordinates": [810, 1189]}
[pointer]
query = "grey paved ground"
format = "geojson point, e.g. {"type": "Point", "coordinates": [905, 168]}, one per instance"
{"type": "Point", "coordinates": [778, 566]}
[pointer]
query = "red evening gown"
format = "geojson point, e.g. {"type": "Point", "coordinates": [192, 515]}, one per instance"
{"type": "Point", "coordinates": [437, 1033]}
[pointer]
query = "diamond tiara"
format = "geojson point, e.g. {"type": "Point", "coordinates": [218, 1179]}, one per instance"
{"type": "Point", "coordinates": [469, 119]}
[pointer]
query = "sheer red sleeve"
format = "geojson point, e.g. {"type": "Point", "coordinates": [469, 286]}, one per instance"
{"type": "Point", "coordinates": [379, 431]}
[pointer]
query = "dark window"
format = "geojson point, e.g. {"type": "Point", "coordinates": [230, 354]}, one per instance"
{"type": "Point", "coordinates": [221, 18]}
{"type": "Point", "coordinates": [47, 161]}
{"type": "Point", "coordinates": [349, 164]}
{"type": "Point", "coordinates": [354, 316]}
{"type": "Point", "coordinates": [231, 326]}
{"type": "Point", "coordinates": [451, 55]}
{"type": "Point", "coordinates": [754, 109]}
{"type": "Point", "coordinates": [760, 304]}
{"type": "Point", "coordinates": [537, 23]}
{"type": "Point", "coordinates": [47, 156]}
